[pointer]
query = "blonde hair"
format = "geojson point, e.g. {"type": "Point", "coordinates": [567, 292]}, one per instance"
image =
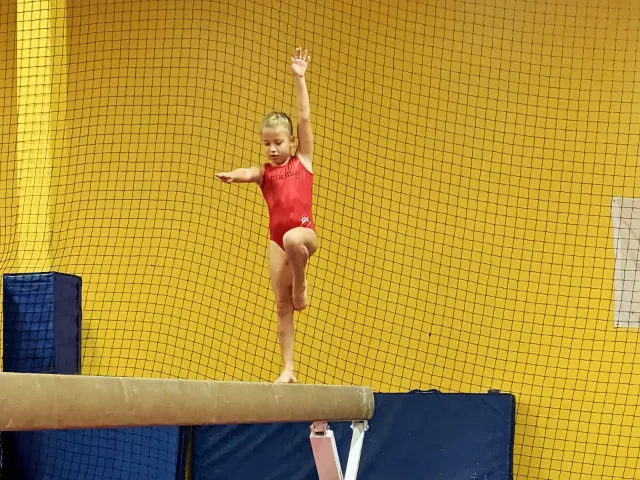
{"type": "Point", "coordinates": [275, 119]}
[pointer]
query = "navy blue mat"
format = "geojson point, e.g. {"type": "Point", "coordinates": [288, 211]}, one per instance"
{"type": "Point", "coordinates": [412, 436]}
{"type": "Point", "coordinates": [116, 454]}
{"type": "Point", "coordinates": [42, 318]}
{"type": "Point", "coordinates": [2, 476]}
{"type": "Point", "coordinates": [42, 334]}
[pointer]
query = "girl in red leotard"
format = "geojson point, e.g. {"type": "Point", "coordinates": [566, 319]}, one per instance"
{"type": "Point", "coordinates": [286, 182]}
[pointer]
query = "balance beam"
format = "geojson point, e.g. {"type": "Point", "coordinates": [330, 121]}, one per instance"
{"type": "Point", "coordinates": [30, 401]}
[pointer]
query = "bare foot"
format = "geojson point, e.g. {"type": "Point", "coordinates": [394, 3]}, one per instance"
{"type": "Point", "coordinates": [300, 297]}
{"type": "Point", "coordinates": [287, 377]}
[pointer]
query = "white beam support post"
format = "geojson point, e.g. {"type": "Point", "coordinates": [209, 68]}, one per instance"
{"type": "Point", "coordinates": [325, 452]}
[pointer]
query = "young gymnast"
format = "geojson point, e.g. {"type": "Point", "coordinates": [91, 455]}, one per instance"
{"type": "Point", "coordinates": [286, 182]}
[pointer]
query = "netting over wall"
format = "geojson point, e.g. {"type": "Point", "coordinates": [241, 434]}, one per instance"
{"type": "Point", "coordinates": [466, 154]}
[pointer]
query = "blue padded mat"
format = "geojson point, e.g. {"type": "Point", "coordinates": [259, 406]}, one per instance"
{"type": "Point", "coordinates": [42, 334]}
{"type": "Point", "coordinates": [116, 454]}
{"type": "Point", "coordinates": [412, 436]}
{"type": "Point", "coordinates": [42, 317]}
{"type": "Point", "coordinates": [2, 476]}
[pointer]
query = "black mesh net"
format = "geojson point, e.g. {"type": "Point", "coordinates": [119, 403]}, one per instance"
{"type": "Point", "coordinates": [467, 154]}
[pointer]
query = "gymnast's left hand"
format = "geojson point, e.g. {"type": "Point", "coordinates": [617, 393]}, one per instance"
{"type": "Point", "coordinates": [299, 62]}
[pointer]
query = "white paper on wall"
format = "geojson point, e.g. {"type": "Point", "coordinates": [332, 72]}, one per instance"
{"type": "Point", "coordinates": [625, 214]}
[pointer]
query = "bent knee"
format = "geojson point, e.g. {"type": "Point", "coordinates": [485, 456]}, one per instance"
{"type": "Point", "coordinates": [291, 241]}
{"type": "Point", "coordinates": [300, 239]}
{"type": "Point", "coordinates": [295, 243]}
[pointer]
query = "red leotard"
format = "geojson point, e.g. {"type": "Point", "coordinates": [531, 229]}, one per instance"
{"type": "Point", "coordinates": [288, 191]}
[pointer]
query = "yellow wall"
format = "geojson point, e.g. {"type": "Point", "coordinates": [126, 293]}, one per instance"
{"type": "Point", "coordinates": [466, 157]}
{"type": "Point", "coordinates": [8, 137]}
{"type": "Point", "coordinates": [8, 127]}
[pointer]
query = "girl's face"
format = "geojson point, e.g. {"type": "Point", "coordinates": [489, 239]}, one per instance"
{"type": "Point", "coordinates": [277, 144]}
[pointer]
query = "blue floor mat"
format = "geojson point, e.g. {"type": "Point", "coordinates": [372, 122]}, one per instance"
{"type": "Point", "coordinates": [412, 436]}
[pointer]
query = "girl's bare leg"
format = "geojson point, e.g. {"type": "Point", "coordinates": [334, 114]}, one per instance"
{"type": "Point", "coordinates": [281, 283]}
{"type": "Point", "coordinates": [299, 244]}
